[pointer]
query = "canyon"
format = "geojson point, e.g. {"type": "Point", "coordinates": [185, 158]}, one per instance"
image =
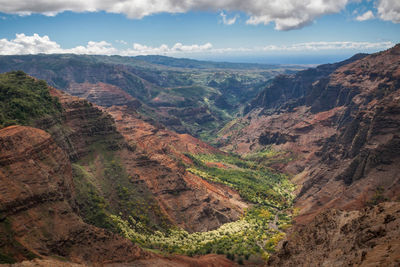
{"type": "Point", "coordinates": [115, 162]}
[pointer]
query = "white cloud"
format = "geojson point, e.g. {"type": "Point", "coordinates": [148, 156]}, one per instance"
{"type": "Point", "coordinates": [286, 14]}
{"type": "Point", "coordinates": [366, 16]}
{"type": "Point", "coordinates": [93, 48]}
{"type": "Point", "coordinates": [24, 44]}
{"type": "Point", "coordinates": [319, 46]}
{"type": "Point", "coordinates": [121, 42]}
{"type": "Point", "coordinates": [228, 21]}
{"type": "Point", "coordinates": [36, 44]}
{"type": "Point", "coordinates": [389, 10]}
{"type": "Point", "coordinates": [164, 49]}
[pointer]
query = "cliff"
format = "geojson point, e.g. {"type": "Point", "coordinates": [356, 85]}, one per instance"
{"type": "Point", "coordinates": [83, 171]}
{"type": "Point", "coordinates": [38, 212]}
{"type": "Point", "coordinates": [37, 205]}
{"type": "Point", "coordinates": [341, 133]}
{"type": "Point", "coordinates": [338, 135]}
{"type": "Point", "coordinates": [158, 160]}
{"type": "Point", "coordinates": [190, 98]}
{"type": "Point", "coordinates": [367, 237]}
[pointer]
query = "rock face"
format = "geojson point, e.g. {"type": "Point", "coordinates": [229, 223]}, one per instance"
{"type": "Point", "coordinates": [38, 219]}
{"type": "Point", "coordinates": [360, 163]}
{"type": "Point", "coordinates": [289, 91]}
{"type": "Point", "coordinates": [36, 200]}
{"type": "Point", "coordinates": [150, 154]}
{"type": "Point", "coordinates": [342, 130]}
{"type": "Point", "coordinates": [102, 94]}
{"type": "Point", "coordinates": [298, 133]}
{"type": "Point", "coordinates": [81, 125]}
{"type": "Point", "coordinates": [157, 160]}
{"type": "Point", "coordinates": [43, 207]}
{"type": "Point", "coordinates": [369, 237]}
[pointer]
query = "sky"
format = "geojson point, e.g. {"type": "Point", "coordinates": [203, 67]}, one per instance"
{"type": "Point", "coordinates": [263, 31]}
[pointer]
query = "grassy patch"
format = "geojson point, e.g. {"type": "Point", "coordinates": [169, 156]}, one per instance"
{"type": "Point", "coordinates": [254, 182]}
{"type": "Point", "coordinates": [270, 157]}
{"type": "Point", "coordinates": [256, 234]}
{"type": "Point", "coordinates": [24, 99]}
{"type": "Point", "coordinates": [92, 206]}
{"type": "Point", "coordinates": [11, 247]}
{"type": "Point", "coordinates": [104, 189]}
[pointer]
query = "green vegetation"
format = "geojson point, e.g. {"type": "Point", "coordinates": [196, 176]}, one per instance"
{"type": "Point", "coordinates": [270, 157]}
{"type": "Point", "coordinates": [255, 235]}
{"type": "Point", "coordinates": [216, 90]}
{"type": "Point", "coordinates": [4, 258]}
{"type": "Point", "coordinates": [10, 246]}
{"type": "Point", "coordinates": [104, 189]}
{"type": "Point", "coordinates": [92, 206]}
{"type": "Point", "coordinates": [254, 182]}
{"type": "Point", "coordinates": [24, 99]}
{"type": "Point", "coordinates": [378, 197]}
{"type": "Point", "coordinates": [194, 92]}
{"type": "Point", "coordinates": [247, 236]}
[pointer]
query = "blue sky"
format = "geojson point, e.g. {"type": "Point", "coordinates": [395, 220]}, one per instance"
{"type": "Point", "coordinates": [288, 31]}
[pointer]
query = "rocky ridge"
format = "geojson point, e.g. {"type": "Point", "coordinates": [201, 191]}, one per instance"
{"type": "Point", "coordinates": [366, 237]}
{"type": "Point", "coordinates": [37, 206]}
{"type": "Point", "coordinates": [210, 92]}
{"type": "Point", "coordinates": [341, 132]}
{"type": "Point", "coordinates": [158, 160]}
{"type": "Point", "coordinates": [44, 197]}
{"type": "Point", "coordinates": [152, 156]}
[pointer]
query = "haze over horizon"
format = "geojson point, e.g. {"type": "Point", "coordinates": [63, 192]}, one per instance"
{"type": "Point", "coordinates": [132, 133]}
{"type": "Point", "coordinates": [287, 32]}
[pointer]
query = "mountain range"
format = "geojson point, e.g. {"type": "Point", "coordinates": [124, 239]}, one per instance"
{"type": "Point", "coordinates": [156, 161]}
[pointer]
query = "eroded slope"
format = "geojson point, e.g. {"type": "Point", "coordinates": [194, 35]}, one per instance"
{"type": "Point", "coordinates": [341, 130]}
{"type": "Point", "coordinates": [157, 158]}
{"type": "Point", "coordinates": [37, 192]}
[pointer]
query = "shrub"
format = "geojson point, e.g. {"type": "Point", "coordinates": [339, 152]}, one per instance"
{"type": "Point", "coordinates": [24, 99]}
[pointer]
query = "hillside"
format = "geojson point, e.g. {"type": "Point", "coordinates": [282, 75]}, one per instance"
{"type": "Point", "coordinates": [340, 128]}
{"type": "Point", "coordinates": [118, 172]}
{"type": "Point", "coordinates": [200, 64]}
{"type": "Point", "coordinates": [37, 193]}
{"type": "Point", "coordinates": [307, 176]}
{"type": "Point", "coordinates": [40, 207]}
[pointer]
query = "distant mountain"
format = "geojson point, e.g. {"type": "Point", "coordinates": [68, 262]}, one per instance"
{"type": "Point", "coordinates": [294, 90]}
{"type": "Point", "coordinates": [198, 100]}
{"type": "Point", "coordinates": [200, 64]}
{"type": "Point", "coordinates": [306, 173]}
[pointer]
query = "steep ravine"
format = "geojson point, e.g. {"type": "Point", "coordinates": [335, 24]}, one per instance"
{"type": "Point", "coordinates": [143, 152]}
{"type": "Point", "coordinates": [43, 190]}
{"type": "Point", "coordinates": [334, 130]}
{"type": "Point", "coordinates": [158, 160]}
{"type": "Point", "coordinates": [135, 178]}
{"type": "Point", "coordinates": [38, 212]}
{"type": "Point", "coordinates": [37, 205]}
{"type": "Point", "coordinates": [341, 130]}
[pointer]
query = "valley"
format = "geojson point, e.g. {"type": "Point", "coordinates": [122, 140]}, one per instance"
{"type": "Point", "coordinates": [186, 96]}
{"type": "Point", "coordinates": [157, 161]}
